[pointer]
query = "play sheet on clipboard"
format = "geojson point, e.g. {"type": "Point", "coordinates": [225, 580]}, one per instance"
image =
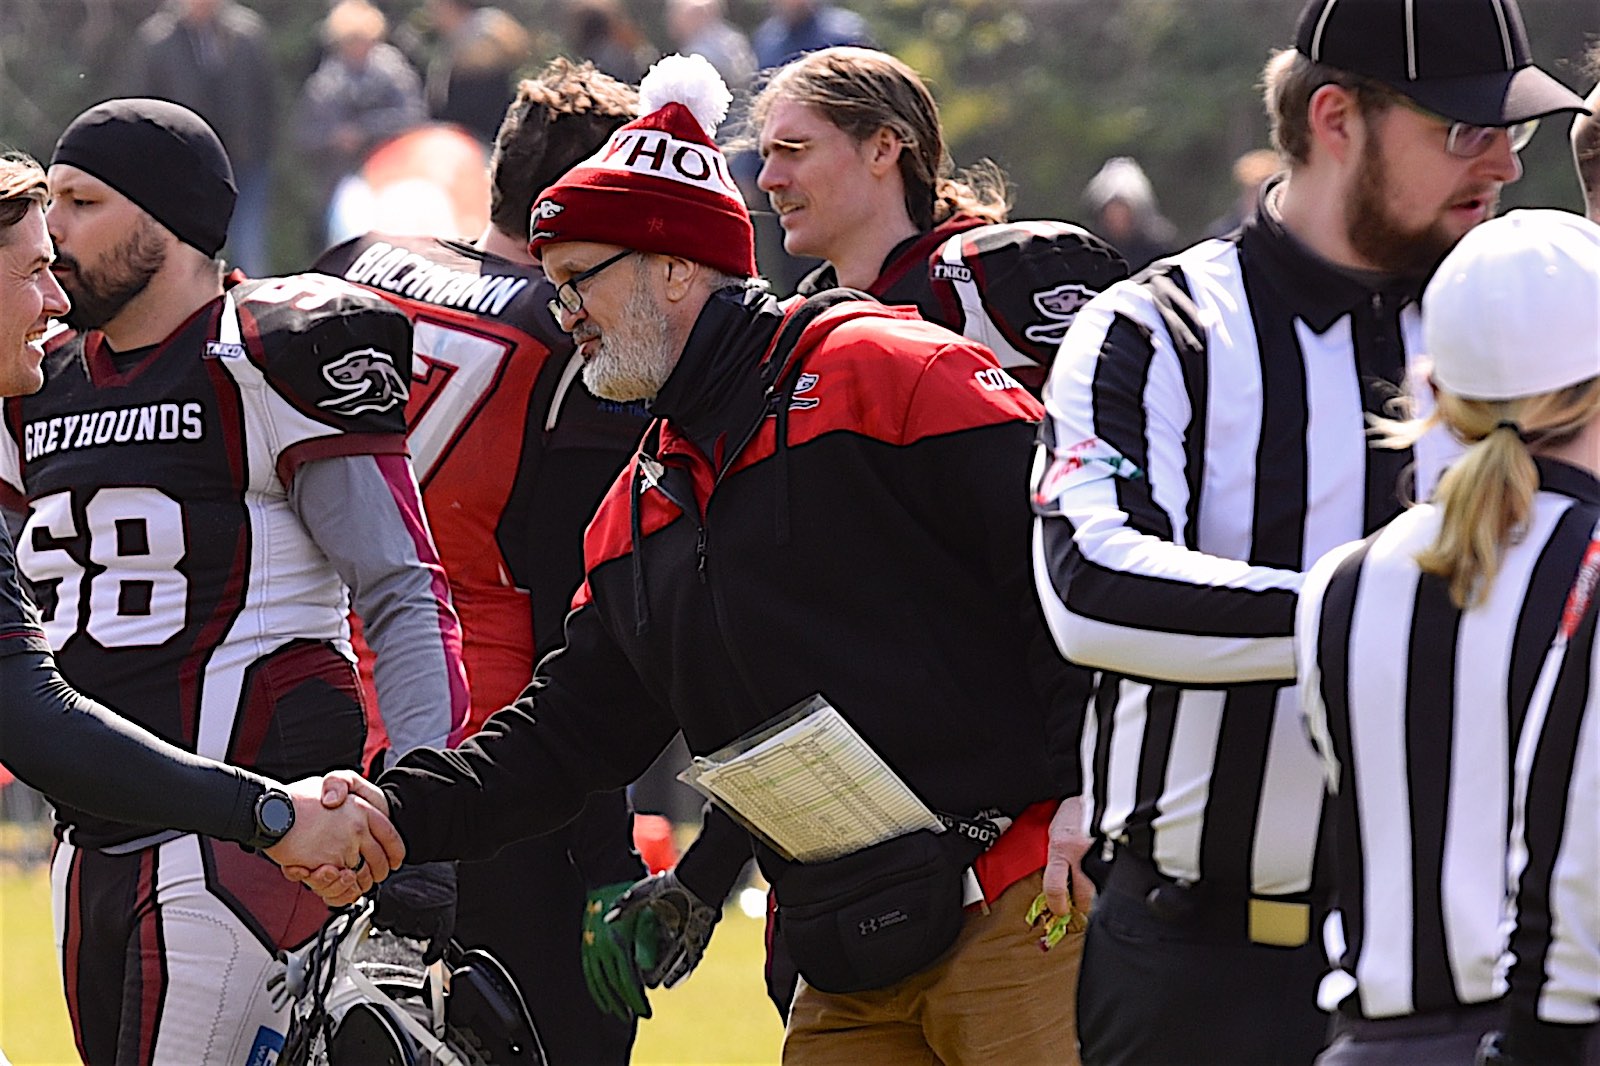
{"type": "Point", "coordinates": [811, 786]}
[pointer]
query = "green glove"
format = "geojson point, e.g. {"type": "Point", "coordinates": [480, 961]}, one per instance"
{"type": "Point", "coordinates": [668, 926]}
{"type": "Point", "coordinates": [614, 981]}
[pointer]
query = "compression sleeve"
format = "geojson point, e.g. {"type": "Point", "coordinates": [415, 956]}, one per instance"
{"type": "Point", "coordinates": [365, 513]}
{"type": "Point", "coordinates": [71, 748]}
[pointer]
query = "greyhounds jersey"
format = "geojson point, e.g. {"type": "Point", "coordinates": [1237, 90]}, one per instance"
{"type": "Point", "coordinates": [175, 577]}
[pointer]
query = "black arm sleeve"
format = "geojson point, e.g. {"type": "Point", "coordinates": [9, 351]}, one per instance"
{"type": "Point", "coordinates": [602, 840]}
{"type": "Point", "coordinates": [712, 864]}
{"type": "Point", "coordinates": [74, 750]}
{"type": "Point", "coordinates": [586, 724]}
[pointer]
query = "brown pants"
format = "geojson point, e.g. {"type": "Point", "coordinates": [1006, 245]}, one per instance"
{"type": "Point", "coordinates": [995, 998]}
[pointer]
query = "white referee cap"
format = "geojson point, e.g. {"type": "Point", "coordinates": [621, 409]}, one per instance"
{"type": "Point", "coordinates": [1514, 309]}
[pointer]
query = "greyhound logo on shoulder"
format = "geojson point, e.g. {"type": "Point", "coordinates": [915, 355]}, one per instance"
{"type": "Point", "coordinates": [367, 380]}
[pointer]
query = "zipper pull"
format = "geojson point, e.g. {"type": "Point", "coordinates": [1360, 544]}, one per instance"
{"type": "Point", "coordinates": [700, 553]}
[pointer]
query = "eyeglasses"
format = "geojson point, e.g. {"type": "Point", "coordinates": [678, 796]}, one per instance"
{"type": "Point", "coordinates": [568, 298]}
{"type": "Point", "coordinates": [1466, 141]}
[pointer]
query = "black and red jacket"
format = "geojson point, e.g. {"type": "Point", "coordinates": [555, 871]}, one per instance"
{"type": "Point", "coordinates": [847, 516]}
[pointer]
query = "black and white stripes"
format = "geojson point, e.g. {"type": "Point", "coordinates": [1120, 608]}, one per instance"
{"type": "Point", "coordinates": [1415, 707]}
{"type": "Point", "coordinates": [1205, 444]}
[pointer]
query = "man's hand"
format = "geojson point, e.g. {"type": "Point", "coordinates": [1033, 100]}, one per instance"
{"type": "Point", "coordinates": [1067, 890]}
{"type": "Point", "coordinates": [342, 841]}
{"type": "Point", "coordinates": [609, 969]}
{"type": "Point", "coordinates": [420, 902]}
{"type": "Point", "coordinates": [667, 926]}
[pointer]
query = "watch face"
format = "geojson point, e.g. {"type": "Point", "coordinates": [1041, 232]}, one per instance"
{"type": "Point", "coordinates": [276, 814]}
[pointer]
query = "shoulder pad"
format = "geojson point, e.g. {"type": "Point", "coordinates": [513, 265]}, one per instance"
{"type": "Point", "coordinates": [332, 346]}
{"type": "Point", "coordinates": [1020, 284]}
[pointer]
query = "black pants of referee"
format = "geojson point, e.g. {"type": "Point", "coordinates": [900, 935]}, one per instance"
{"type": "Point", "coordinates": [526, 906]}
{"type": "Point", "coordinates": [1159, 988]}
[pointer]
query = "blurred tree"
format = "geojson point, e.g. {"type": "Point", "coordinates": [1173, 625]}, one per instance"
{"type": "Point", "coordinates": [1049, 89]}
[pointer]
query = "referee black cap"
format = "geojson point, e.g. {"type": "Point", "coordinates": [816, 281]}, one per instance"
{"type": "Point", "coordinates": [164, 158]}
{"type": "Point", "coordinates": [1467, 60]}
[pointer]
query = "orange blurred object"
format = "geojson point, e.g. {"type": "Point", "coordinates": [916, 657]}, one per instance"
{"type": "Point", "coordinates": [432, 181]}
{"type": "Point", "coordinates": [652, 838]}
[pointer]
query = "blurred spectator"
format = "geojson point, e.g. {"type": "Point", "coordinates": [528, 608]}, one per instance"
{"type": "Point", "coordinates": [212, 57]}
{"type": "Point", "coordinates": [1122, 206]}
{"type": "Point", "coordinates": [1249, 171]}
{"type": "Point", "coordinates": [363, 93]}
{"type": "Point", "coordinates": [796, 27]}
{"type": "Point", "coordinates": [699, 27]}
{"type": "Point", "coordinates": [472, 75]}
{"type": "Point", "coordinates": [604, 34]}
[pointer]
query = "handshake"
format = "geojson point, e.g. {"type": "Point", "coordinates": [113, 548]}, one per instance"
{"type": "Point", "coordinates": [342, 842]}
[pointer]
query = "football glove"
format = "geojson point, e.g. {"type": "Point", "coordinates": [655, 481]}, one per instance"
{"type": "Point", "coordinates": [667, 926]}
{"type": "Point", "coordinates": [609, 970]}
{"type": "Point", "coordinates": [419, 901]}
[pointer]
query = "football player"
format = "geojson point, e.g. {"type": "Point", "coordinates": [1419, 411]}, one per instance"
{"type": "Point", "coordinates": [213, 468]}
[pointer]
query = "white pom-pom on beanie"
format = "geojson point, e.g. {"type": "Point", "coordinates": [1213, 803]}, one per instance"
{"type": "Point", "coordinates": [691, 81]}
{"type": "Point", "coordinates": [660, 184]}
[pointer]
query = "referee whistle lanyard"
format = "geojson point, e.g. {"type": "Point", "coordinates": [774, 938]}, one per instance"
{"type": "Point", "coordinates": [1572, 614]}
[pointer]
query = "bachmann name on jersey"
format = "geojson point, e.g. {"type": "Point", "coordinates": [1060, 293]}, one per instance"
{"type": "Point", "coordinates": [175, 581]}
{"type": "Point", "coordinates": [512, 453]}
{"type": "Point", "coordinates": [408, 272]}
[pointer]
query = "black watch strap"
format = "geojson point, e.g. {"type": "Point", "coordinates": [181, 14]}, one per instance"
{"type": "Point", "coordinates": [274, 817]}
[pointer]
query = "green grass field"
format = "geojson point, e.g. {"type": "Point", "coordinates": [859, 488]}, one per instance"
{"type": "Point", "coordinates": [719, 1015]}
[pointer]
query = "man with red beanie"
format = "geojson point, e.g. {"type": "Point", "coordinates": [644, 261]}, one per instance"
{"type": "Point", "coordinates": [830, 501]}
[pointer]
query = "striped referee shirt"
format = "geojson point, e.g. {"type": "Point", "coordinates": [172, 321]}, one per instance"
{"type": "Point", "coordinates": [1414, 707]}
{"type": "Point", "coordinates": [1204, 443]}
{"type": "Point", "coordinates": [1554, 950]}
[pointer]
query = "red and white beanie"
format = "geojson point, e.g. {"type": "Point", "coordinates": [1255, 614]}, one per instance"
{"type": "Point", "coordinates": [659, 184]}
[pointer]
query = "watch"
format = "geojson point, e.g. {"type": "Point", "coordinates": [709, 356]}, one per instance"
{"type": "Point", "coordinates": [274, 813]}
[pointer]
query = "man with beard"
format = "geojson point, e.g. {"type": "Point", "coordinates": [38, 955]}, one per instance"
{"type": "Point", "coordinates": [213, 468]}
{"type": "Point", "coordinates": [1586, 145]}
{"type": "Point", "coordinates": [69, 746]}
{"type": "Point", "coordinates": [829, 501]}
{"type": "Point", "coordinates": [855, 167]}
{"type": "Point", "coordinates": [1205, 443]}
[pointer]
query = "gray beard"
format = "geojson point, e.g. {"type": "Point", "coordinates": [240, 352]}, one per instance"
{"type": "Point", "coordinates": [633, 359]}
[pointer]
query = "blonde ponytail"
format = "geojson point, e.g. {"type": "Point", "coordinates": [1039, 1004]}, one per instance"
{"type": "Point", "coordinates": [1487, 495]}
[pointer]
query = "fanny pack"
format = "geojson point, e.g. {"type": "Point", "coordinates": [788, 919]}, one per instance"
{"type": "Point", "coordinates": [871, 918]}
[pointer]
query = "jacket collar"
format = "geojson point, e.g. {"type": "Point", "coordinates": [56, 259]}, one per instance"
{"type": "Point", "coordinates": [1566, 479]}
{"type": "Point", "coordinates": [718, 373]}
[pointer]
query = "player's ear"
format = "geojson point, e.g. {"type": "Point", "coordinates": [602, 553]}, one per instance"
{"type": "Point", "coordinates": [883, 150]}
